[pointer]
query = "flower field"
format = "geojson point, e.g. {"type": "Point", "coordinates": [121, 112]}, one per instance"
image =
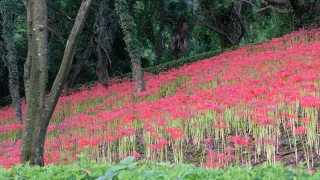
{"type": "Point", "coordinates": [256, 104]}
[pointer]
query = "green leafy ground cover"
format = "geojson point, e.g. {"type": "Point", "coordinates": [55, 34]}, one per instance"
{"type": "Point", "coordinates": [129, 169]}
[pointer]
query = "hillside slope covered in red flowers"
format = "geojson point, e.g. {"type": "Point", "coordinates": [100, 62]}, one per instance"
{"type": "Point", "coordinates": [258, 103]}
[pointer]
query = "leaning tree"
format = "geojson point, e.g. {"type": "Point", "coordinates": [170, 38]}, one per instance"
{"type": "Point", "coordinates": [40, 109]}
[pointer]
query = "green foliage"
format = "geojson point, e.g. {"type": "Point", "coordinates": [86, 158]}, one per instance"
{"type": "Point", "coordinates": [179, 62]}
{"type": "Point", "coordinates": [262, 28]}
{"type": "Point", "coordinates": [122, 171]}
{"type": "Point", "coordinates": [83, 169]}
{"type": "Point", "coordinates": [130, 169]}
{"type": "Point", "coordinates": [204, 40]}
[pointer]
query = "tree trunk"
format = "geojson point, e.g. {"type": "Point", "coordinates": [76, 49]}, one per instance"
{"type": "Point", "coordinates": [74, 74]}
{"type": "Point", "coordinates": [106, 26]}
{"type": "Point", "coordinates": [130, 32]}
{"type": "Point", "coordinates": [102, 68]}
{"type": "Point", "coordinates": [35, 90]}
{"type": "Point", "coordinates": [77, 68]}
{"type": "Point", "coordinates": [297, 11]}
{"type": "Point", "coordinates": [40, 111]}
{"type": "Point", "coordinates": [179, 40]}
{"type": "Point", "coordinates": [159, 13]}
{"type": "Point", "coordinates": [11, 58]}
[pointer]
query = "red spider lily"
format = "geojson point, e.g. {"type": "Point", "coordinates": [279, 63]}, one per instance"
{"type": "Point", "coordinates": [292, 116]}
{"type": "Point", "coordinates": [155, 136]}
{"type": "Point", "coordinates": [63, 126]}
{"type": "Point", "coordinates": [161, 123]}
{"type": "Point", "coordinates": [211, 155]}
{"type": "Point", "coordinates": [219, 126]}
{"type": "Point", "coordinates": [83, 142]}
{"type": "Point", "coordinates": [289, 124]}
{"type": "Point", "coordinates": [312, 171]}
{"type": "Point", "coordinates": [221, 156]}
{"type": "Point", "coordinates": [126, 132]}
{"type": "Point", "coordinates": [135, 154]}
{"type": "Point", "coordinates": [129, 118]}
{"type": "Point", "coordinates": [209, 165]}
{"type": "Point", "coordinates": [177, 136]}
{"type": "Point", "coordinates": [310, 101]}
{"type": "Point", "coordinates": [279, 158]}
{"type": "Point", "coordinates": [261, 84]}
{"type": "Point", "coordinates": [306, 120]}
{"type": "Point", "coordinates": [52, 127]}
{"type": "Point", "coordinates": [174, 130]}
{"type": "Point", "coordinates": [207, 140]}
{"type": "Point", "coordinates": [160, 144]}
{"type": "Point", "coordinates": [230, 149]}
{"type": "Point", "coordinates": [300, 131]}
{"type": "Point", "coordinates": [242, 141]}
{"type": "Point", "coordinates": [220, 119]}
{"type": "Point", "coordinates": [263, 120]}
{"type": "Point", "coordinates": [148, 127]}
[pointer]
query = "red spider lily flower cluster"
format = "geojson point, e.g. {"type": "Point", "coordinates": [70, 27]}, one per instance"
{"type": "Point", "coordinates": [241, 103]}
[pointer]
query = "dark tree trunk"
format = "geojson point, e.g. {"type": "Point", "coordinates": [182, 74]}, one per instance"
{"type": "Point", "coordinates": [102, 68]}
{"type": "Point", "coordinates": [74, 74]}
{"type": "Point", "coordinates": [180, 39]}
{"type": "Point", "coordinates": [78, 67]}
{"type": "Point", "coordinates": [11, 57]}
{"type": "Point", "coordinates": [130, 31]}
{"type": "Point", "coordinates": [105, 26]}
{"type": "Point", "coordinates": [297, 10]}
{"type": "Point", "coordinates": [159, 13]}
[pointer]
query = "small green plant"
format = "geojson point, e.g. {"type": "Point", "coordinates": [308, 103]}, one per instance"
{"type": "Point", "coordinates": [121, 171]}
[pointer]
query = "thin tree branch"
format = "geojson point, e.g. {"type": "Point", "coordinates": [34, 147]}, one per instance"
{"type": "Point", "coordinates": [64, 13]}
{"type": "Point", "coordinates": [106, 52]}
{"type": "Point", "coordinates": [22, 58]}
{"type": "Point", "coordinates": [210, 27]}
{"type": "Point", "coordinates": [266, 8]}
{"type": "Point", "coordinates": [277, 2]}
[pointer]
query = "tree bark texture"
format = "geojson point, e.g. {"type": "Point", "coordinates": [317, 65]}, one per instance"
{"type": "Point", "coordinates": [130, 32]}
{"type": "Point", "coordinates": [39, 110]}
{"type": "Point", "coordinates": [102, 68]}
{"type": "Point", "coordinates": [37, 70]}
{"type": "Point", "coordinates": [11, 57]}
{"type": "Point", "coordinates": [106, 26]}
{"type": "Point", "coordinates": [179, 40]}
